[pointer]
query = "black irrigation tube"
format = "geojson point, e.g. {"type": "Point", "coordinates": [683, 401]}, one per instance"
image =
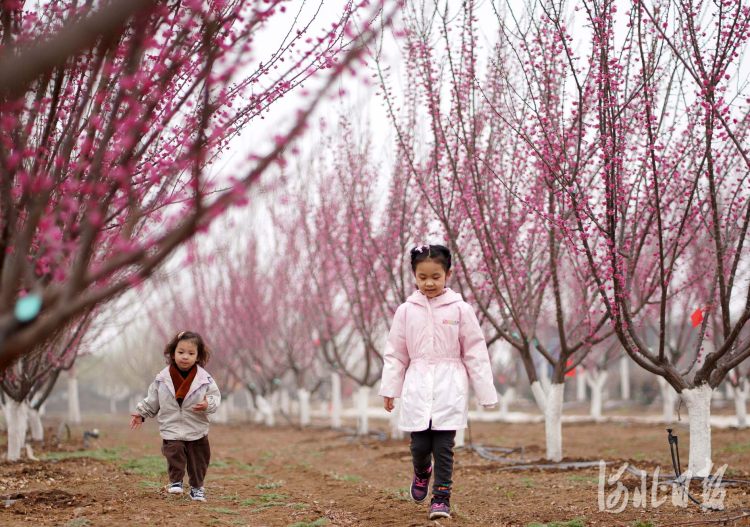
{"type": "Point", "coordinates": [352, 433]}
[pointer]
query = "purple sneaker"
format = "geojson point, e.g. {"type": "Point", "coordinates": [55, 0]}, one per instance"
{"type": "Point", "coordinates": [440, 508]}
{"type": "Point", "coordinates": [419, 486]}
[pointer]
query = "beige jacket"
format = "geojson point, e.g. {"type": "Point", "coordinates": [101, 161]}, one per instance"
{"type": "Point", "coordinates": [180, 422]}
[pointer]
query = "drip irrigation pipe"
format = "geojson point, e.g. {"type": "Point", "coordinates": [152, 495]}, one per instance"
{"type": "Point", "coordinates": [674, 445]}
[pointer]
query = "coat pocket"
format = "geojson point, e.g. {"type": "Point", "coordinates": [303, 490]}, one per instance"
{"type": "Point", "coordinates": [460, 379]}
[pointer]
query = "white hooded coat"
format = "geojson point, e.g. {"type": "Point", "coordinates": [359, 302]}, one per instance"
{"type": "Point", "coordinates": [181, 422]}
{"type": "Point", "coordinates": [434, 347]}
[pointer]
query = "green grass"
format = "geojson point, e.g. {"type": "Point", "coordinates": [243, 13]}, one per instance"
{"type": "Point", "coordinates": [152, 484]}
{"type": "Point", "coordinates": [274, 497]}
{"type": "Point", "coordinates": [529, 483]}
{"type": "Point", "coordinates": [399, 494]}
{"type": "Point", "coordinates": [150, 465]}
{"type": "Point", "coordinates": [305, 464]}
{"type": "Point", "coordinates": [639, 455]}
{"type": "Point", "coordinates": [264, 506]}
{"type": "Point", "coordinates": [507, 493]}
{"type": "Point", "coordinates": [76, 523]}
{"type": "Point", "coordinates": [308, 523]}
{"type": "Point", "coordinates": [346, 477]}
{"type": "Point", "coordinates": [248, 503]}
{"type": "Point", "coordinates": [268, 486]}
{"type": "Point", "coordinates": [220, 510]}
{"type": "Point", "coordinates": [291, 467]}
{"type": "Point", "coordinates": [318, 454]}
{"type": "Point", "coordinates": [739, 448]}
{"type": "Point", "coordinates": [104, 454]}
{"type": "Point", "coordinates": [578, 522]}
{"type": "Point", "coordinates": [638, 523]}
{"type": "Point", "coordinates": [229, 497]}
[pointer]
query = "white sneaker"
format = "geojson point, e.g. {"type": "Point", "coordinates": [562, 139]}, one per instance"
{"type": "Point", "coordinates": [175, 488]}
{"type": "Point", "coordinates": [196, 494]}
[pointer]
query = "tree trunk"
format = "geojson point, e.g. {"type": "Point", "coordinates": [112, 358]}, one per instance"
{"type": "Point", "coordinates": [396, 433]}
{"type": "Point", "coordinates": [596, 379]}
{"type": "Point", "coordinates": [363, 401]}
{"type": "Point", "coordinates": [505, 400]}
{"type": "Point", "coordinates": [698, 402]}
{"type": "Point", "coordinates": [460, 437]}
{"type": "Point", "coordinates": [221, 415]}
{"type": "Point", "coordinates": [730, 390]}
{"type": "Point", "coordinates": [304, 407]}
{"type": "Point", "coordinates": [668, 396]}
{"type": "Point", "coordinates": [335, 400]}
{"type": "Point", "coordinates": [35, 422]}
{"type": "Point", "coordinates": [740, 402]}
{"type": "Point", "coordinates": [16, 415]}
{"type": "Point", "coordinates": [113, 405]}
{"type": "Point", "coordinates": [286, 406]}
{"type": "Point", "coordinates": [74, 405]}
{"type": "Point", "coordinates": [625, 378]}
{"type": "Point", "coordinates": [265, 411]}
{"type": "Point", "coordinates": [229, 402]}
{"type": "Point", "coordinates": [550, 402]}
{"type": "Point", "coordinates": [580, 384]}
{"type": "Point", "coordinates": [250, 405]}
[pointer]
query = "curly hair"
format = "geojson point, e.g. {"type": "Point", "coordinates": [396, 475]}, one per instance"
{"type": "Point", "coordinates": [204, 352]}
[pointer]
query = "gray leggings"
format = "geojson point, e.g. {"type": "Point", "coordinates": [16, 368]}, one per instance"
{"type": "Point", "coordinates": [437, 444]}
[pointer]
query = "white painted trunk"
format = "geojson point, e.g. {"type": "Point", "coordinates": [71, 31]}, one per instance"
{"type": "Point", "coordinates": [16, 415]}
{"type": "Point", "coordinates": [74, 405]}
{"type": "Point", "coordinates": [304, 407]}
{"type": "Point", "coordinates": [275, 401]}
{"type": "Point", "coordinates": [698, 402]}
{"type": "Point", "coordinates": [265, 411]}
{"type": "Point", "coordinates": [580, 384]}
{"type": "Point", "coordinates": [460, 437]}
{"type": "Point", "coordinates": [730, 390]}
{"type": "Point", "coordinates": [668, 397]}
{"type": "Point", "coordinates": [335, 400]}
{"type": "Point", "coordinates": [740, 403]}
{"type": "Point", "coordinates": [43, 409]}
{"type": "Point", "coordinates": [394, 417]}
{"type": "Point", "coordinates": [250, 406]}
{"type": "Point", "coordinates": [35, 423]}
{"type": "Point", "coordinates": [229, 402]}
{"type": "Point", "coordinates": [596, 379]}
{"type": "Point", "coordinates": [221, 415]}
{"type": "Point", "coordinates": [286, 406]}
{"type": "Point", "coordinates": [363, 401]}
{"type": "Point", "coordinates": [625, 378]}
{"type": "Point", "coordinates": [550, 402]}
{"type": "Point", "coordinates": [505, 400]}
{"type": "Point", "coordinates": [112, 405]}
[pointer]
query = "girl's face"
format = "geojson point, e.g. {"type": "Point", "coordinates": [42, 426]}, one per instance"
{"type": "Point", "coordinates": [186, 354]}
{"type": "Point", "coordinates": [431, 277]}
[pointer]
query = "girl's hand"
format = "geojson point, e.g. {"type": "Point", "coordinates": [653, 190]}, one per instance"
{"type": "Point", "coordinates": [136, 421]}
{"type": "Point", "coordinates": [388, 403]}
{"type": "Point", "coordinates": [201, 406]}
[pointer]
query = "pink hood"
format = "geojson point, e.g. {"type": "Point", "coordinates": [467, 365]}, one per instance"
{"type": "Point", "coordinates": [435, 347]}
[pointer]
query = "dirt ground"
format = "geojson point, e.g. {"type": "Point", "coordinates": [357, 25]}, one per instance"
{"type": "Point", "coordinates": [289, 477]}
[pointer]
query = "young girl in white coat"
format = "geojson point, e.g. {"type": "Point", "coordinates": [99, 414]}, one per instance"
{"type": "Point", "coordinates": [434, 347]}
{"type": "Point", "coordinates": [182, 396]}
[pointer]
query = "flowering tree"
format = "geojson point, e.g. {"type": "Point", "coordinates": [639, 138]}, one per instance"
{"type": "Point", "coordinates": [28, 383]}
{"type": "Point", "coordinates": [108, 137]}
{"type": "Point", "coordinates": [669, 212]}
